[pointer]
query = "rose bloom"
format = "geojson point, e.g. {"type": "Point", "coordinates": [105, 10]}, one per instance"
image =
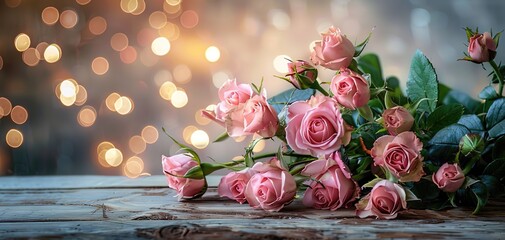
{"type": "Point", "coordinates": [335, 51]}
{"type": "Point", "coordinates": [482, 48]}
{"type": "Point", "coordinates": [401, 155]}
{"type": "Point", "coordinates": [332, 187]}
{"type": "Point", "coordinates": [449, 177]}
{"type": "Point", "coordinates": [350, 89]}
{"type": "Point", "coordinates": [232, 96]}
{"type": "Point", "coordinates": [397, 120]}
{"type": "Point", "coordinates": [271, 188]}
{"type": "Point", "coordinates": [384, 201]}
{"type": "Point", "coordinates": [316, 127]}
{"type": "Point", "coordinates": [233, 185]}
{"type": "Point", "coordinates": [301, 74]}
{"type": "Point", "coordinates": [257, 116]}
{"type": "Point", "coordinates": [177, 166]}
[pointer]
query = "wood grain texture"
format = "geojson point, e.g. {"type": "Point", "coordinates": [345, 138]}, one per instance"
{"type": "Point", "coordinates": [121, 208]}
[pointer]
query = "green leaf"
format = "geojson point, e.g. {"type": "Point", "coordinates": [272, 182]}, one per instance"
{"type": "Point", "coordinates": [279, 101]}
{"type": "Point", "coordinates": [422, 82]}
{"type": "Point", "coordinates": [184, 148]}
{"type": "Point", "coordinates": [222, 137]}
{"type": "Point", "coordinates": [479, 195]}
{"type": "Point", "coordinates": [194, 173]}
{"type": "Point", "coordinates": [496, 189]}
{"type": "Point", "coordinates": [471, 105]}
{"type": "Point", "coordinates": [410, 195]}
{"type": "Point", "coordinates": [472, 122]}
{"type": "Point", "coordinates": [360, 47]}
{"type": "Point", "coordinates": [444, 116]}
{"type": "Point", "coordinates": [496, 168]}
{"type": "Point", "coordinates": [488, 93]}
{"type": "Point", "coordinates": [370, 64]}
{"type": "Point", "coordinates": [499, 148]}
{"type": "Point", "coordinates": [495, 118]}
{"type": "Point", "coordinates": [372, 183]}
{"type": "Point", "coordinates": [425, 190]}
{"type": "Point", "coordinates": [445, 143]}
{"type": "Point", "coordinates": [502, 71]}
{"type": "Point", "coordinates": [443, 90]}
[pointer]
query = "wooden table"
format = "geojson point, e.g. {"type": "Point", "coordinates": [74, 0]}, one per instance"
{"type": "Point", "coordinates": [113, 207]}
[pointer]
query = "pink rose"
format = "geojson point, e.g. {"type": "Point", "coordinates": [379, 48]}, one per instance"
{"type": "Point", "coordinates": [301, 74]}
{"type": "Point", "coordinates": [316, 127]}
{"type": "Point", "coordinates": [350, 89]}
{"type": "Point", "coordinates": [401, 155]}
{"type": "Point", "coordinates": [449, 177]}
{"type": "Point", "coordinates": [397, 120]}
{"type": "Point", "coordinates": [232, 96]}
{"type": "Point", "coordinates": [233, 185]}
{"type": "Point", "coordinates": [335, 51]}
{"type": "Point", "coordinates": [482, 48]}
{"type": "Point", "coordinates": [257, 116]}
{"type": "Point", "coordinates": [175, 167]}
{"type": "Point", "coordinates": [332, 187]}
{"type": "Point", "coordinates": [384, 201]}
{"type": "Point", "coordinates": [271, 188]}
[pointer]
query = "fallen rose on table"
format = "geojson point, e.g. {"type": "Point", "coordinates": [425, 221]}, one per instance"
{"type": "Point", "coordinates": [359, 142]}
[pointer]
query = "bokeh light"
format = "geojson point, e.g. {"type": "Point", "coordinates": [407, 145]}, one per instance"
{"type": "Point", "coordinates": [179, 99]}
{"type": "Point", "coordinates": [119, 42]}
{"type": "Point", "coordinates": [200, 139]}
{"type": "Point", "coordinates": [81, 96]}
{"type": "Point", "coordinates": [160, 46]}
{"type": "Point", "coordinates": [167, 89]}
{"type": "Point", "coordinates": [86, 116]}
{"type": "Point", "coordinates": [12, 3]}
{"type": "Point", "coordinates": [200, 119]}
{"type": "Point", "coordinates": [31, 57]}
{"type": "Point", "coordinates": [101, 149]}
{"type": "Point", "coordinates": [41, 48]}
{"type": "Point", "coordinates": [173, 2]}
{"type": "Point", "coordinates": [6, 106]}
{"type": "Point", "coordinates": [114, 157]}
{"type": "Point", "coordinates": [100, 65]}
{"type": "Point", "coordinates": [97, 25]}
{"type": "Point", "coordinates": [182, 73]}
{"type": "Point", "coordinates": [111, 100]}
{"type": "Point", "coordinates": [137, 144]}
{"type": "Point", "coordinates": [133, 167]}
{"type": "Point", "coordinates": [149, 134]}
{"type": "Point", "coordinates": [123, 105]}
{"type": "Point", "coordinates": [212, 54]}
{"type": "Point", "coordinates": [22, 42]}
{"type": "Point", "coordinates": [157, 19]}
{"type": "Point", "coordinates": [170, 31]}
{"type": "Point", "coordinates": [14, 138]}
{"type": "Point", "coordinates": [19, 115]}
{"type": "Point", "coordinates": [128, 55]}
{"type": "Point", "coordinates": [189, 19]}
{"type": "Point", "coordinates": [260, 146]}
{"type": "Point", "coordinates": [281, 63]}
{"type": "Point", "coordinates": [82, 2]}
{"type": "Point", "coordinates": [68, 18]}
{"type": "Point", "coordinates": [1, 62]}
{"type": "Point", "coordinates": [219, 78]}
{"type": "Point", "coordinates": [68, 88]}
{"type": "Point", "coordinates": [50, 15]}
{"type": "Point", "coordinates": [172, 9]}
{"type": "Point", "coordinates": [52, 53]}
{"type": "Point", "coordinates": [187, 132]}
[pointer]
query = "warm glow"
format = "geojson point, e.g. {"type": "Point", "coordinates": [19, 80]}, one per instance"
{"type": "Point", "coordinates": [162, 76]}
{"type": "Point", "coordinates": [12, 3]}
{"type": "Point", "coordinates": [128, 55]}
{"type": "Point", "coordinates": [82, 2]}
{"type": "Point", "coordinates": [133, 167]}
{"type": "Point", "coordinates": [68, 101]}
{"type": "Point", "coordinates": [82, 96]}
{"type": "Point", "coordinates": [167, 89]}
{"type": "Point", "coordinates": [119, 42]}
{"type": "Point", "coordinates": [201, 119]}
{"type": "Point", "coordinates": [87, 116]}
{"type": "Point", "coordinates": [68, 88]}
{"type": "Point", "coordinates": [200, 139]}
{"type": "Point", "coordinates": [212, 54]}
{"type": "Point", "coordinates": [100, 66]}
{"type": "Point", "coordinates": [22, 42]}
{"type": "Point", "coordinates": [31, 57]}
{"type": "Point", "coordinates": [19, 115]}
{"type": "Point", "coordinates": [173, 2]}
{"type": "Point", "coordinates": [97, 25]}
{"type": "Point", "coordinates": [128, 6]}
{"type": "Point", "coordinates": [219, 78]}
{"type": "Point", "coordinates": [14, 138]}
{"type": "Point", "coordinates": [239, 139]}
{"type": "Point", "coordinates": [173, 10]}
{"type": "Point", "coordinates": [137, 144]}
{"type": "Point", "coordinates": [187, 132]}
{"type": "Point", "coordinates": [68, 19]}
{"type": "Point", "coordinates": [101, 149]}
{"type": "Point", "coordinates": [113, 157]}
{"type": "Point", "coordinates": [160, 46]}
{"type": "Point", "coordinates": [123, 105]}
{"type": "Point", "coordinates": [50, 15]}
{"type": "Point", "coordinates": [52, 53]}
{"type": "Point", "coordinates": [189, 19]}
{"type": "Point", "coordinates": [141, 7]}
{"type": "Point", "coordinates": [259, 146]}
{"type": "Point", "coordinates": [182, 74]}
{"type": "Point", "coordinates": [157, 19]}
{"type": "Point", "coordinates": [170, 31]}
{"type": "Point", "coordinates": [5, 105]}
{"type": "Point", "coordinates": [179, 99]}
{"type": "Point", "coordinates": [150, 134]}
{"type": "Point", "coordinates": [41, 48]}
{"type": "Point", "coordinates": [281, 63]}
{"type": "Point", "coordinates": [148, 58]}
{"type": "Point", "coordinates": [211, 107]}
{"type": "Point", "coordinates": [111, 100]}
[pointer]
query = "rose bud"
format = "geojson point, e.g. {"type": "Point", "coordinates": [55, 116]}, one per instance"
{"type": "Point", "coordinates": [301, 74]}
{"type": "Point", "coordinates": [481, 48]}
{"type": "Point", "coordinates": [449, 177]}
{"type": "Point", "coordinates": [400, 155]}
{"type": "Point", "coordinates": [175, 167]}
{"type": "Point", "coordinates": [471, 143]}
{"type": "Point", "coordinates": [384, 201]}
{"type": "Point", "coordinates": [233, 185]}
{"type": "Point", "coordinates": [271, 188]}
{"type": "Point", "coordinates": [350, 89]}
{"type": "Point", "coordinates": [397, 120]}
{"type": "Point", "coordinates": [335, 51]}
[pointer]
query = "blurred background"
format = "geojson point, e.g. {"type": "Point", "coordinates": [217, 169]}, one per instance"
{"type": "Point", "coordinates": [87, 85]}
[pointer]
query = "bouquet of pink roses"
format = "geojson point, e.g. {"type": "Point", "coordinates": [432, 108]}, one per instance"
{"type": "Point", "coordinates": [356, 140]}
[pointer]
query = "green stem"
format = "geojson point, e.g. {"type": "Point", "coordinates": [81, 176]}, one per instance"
{"type": "Point", "coordinates": [470, 164]}
{"type": "Point", "coordinates": [499, 76]}
{"type": "Point", "coordinates": [318, 87]}
{"type": "Point", "coordinates": [275, 154]}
